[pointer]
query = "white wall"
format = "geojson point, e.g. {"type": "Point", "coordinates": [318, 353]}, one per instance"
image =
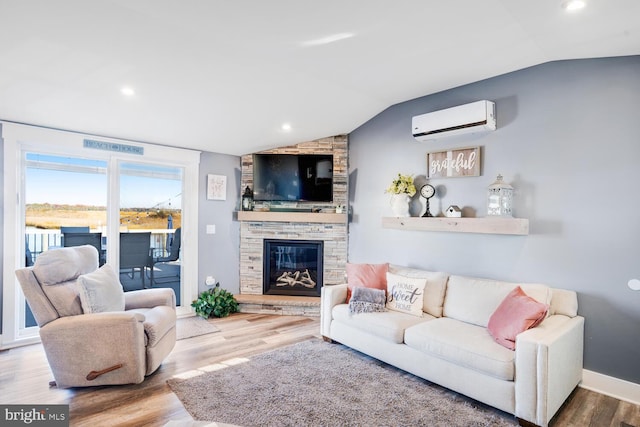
{"type": "Point", "coordinates": [568, 140]}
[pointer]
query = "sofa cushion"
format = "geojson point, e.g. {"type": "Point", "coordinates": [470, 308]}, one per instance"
{"type": "Point", "coordinates": [515, 314]}
{"type": "Point", "coordinates": [474, 300]}
{"type": "Point", "coordinates": [366, 275]}
{"type": "Point", "coordinates": [389, 325]}
{"type": "Point", "coordinates": [405, 294]}
{"type": "Point", "coordinates": [101, 291]}
{"type": "Point", "coordinates": [564, 302]}
{"type": "Point", "coordinates": [464, 344]}
{"type": "Point", "coordinates": [64, 297]}
{"type": "Point", "coordinates": [434, 290]}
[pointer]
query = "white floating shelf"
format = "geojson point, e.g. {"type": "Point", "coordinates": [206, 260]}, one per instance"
{"type": "Point", "coordinates": [497, 225]}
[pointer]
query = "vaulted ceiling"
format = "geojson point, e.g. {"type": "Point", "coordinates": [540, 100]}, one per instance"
{"type": "Point", "coordinates": [225, 76]}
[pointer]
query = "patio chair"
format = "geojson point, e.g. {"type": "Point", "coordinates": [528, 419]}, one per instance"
{"type": "Point", "coordinates": [172, 260]}
{"type": "Point", "coordinates": [79, 239]}
{"type": "Point", "coordinates": [69, 230]}
{"type": "Point", "coordinates": [94, 333]}
{"type": "Point", "coordinates": [73, 229]}
{"type": "Point", "coordinates": [135, 253]}
{"type": "Point", "coordinates": [28, 256]}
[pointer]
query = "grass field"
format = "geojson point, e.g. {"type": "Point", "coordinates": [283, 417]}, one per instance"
{"type": "Point", "coordinates": [47, 216]}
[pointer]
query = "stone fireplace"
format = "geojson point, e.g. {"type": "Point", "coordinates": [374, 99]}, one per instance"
{"type": "Point", "coordinates": [315, 222]}
{"type": "Point", "coordinates": [292, 267]}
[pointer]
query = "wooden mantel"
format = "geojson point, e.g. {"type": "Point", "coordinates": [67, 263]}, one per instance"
{"type": "Point", "coordinates": [494, 225]}
{"type": "Point", "coordinates": [305, 217]}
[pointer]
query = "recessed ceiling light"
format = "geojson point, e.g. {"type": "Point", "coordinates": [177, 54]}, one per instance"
{"type": "Point", "coordinates": [573, 5]}
{"type": "Point", "coordinates": [286, 127]}
{"type": "Point", "coordinates": [127, 91]}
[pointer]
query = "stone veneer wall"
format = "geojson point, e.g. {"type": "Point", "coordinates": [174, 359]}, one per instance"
{"type": "Point", "coordinates": [333, 235]}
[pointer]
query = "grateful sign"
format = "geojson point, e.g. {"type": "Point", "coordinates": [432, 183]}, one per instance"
{"type": "Point", "coordinates": [454, 163]}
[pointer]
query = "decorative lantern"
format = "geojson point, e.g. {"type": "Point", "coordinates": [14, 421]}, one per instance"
{"type": "Point", "coordinates": [500, 199]}
{"type": "Point", "coordinates": [247, 200]}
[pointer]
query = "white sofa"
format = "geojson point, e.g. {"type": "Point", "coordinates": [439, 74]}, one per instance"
{"type": "Point", "coordinates": [451, 346]}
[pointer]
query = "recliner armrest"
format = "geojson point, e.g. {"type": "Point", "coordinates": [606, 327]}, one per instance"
{"type": "Point", "coordinates": [149, 298]}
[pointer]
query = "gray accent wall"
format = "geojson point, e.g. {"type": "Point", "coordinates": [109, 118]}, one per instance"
{"type": "Point", "coordinates": [568, 140]}
{"type": "Point", "coordinates": [219, 253]}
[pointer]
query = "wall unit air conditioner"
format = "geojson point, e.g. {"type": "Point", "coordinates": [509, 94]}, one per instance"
{"type": "Point", "coordinates": [474, 117]}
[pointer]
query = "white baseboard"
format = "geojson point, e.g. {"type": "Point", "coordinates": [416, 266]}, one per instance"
{"type": "Point", "coordinates": [611, 386]}
{"type": "Point", "coordinates": [18, 343]}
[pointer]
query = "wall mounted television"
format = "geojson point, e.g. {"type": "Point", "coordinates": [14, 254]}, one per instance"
{"type": "Point", "coordinates": [293, 177]}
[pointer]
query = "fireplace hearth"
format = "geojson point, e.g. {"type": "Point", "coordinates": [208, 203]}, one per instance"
{"type": "Point", "coordinates": [292, 267]}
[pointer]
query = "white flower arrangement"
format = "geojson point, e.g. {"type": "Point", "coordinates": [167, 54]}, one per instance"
{"type": "Point", "coordinates": [403, 184]}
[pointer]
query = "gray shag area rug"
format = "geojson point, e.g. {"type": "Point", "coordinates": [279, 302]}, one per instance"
{"type": "Point", "coordinates": [188, 327]}
{"type": "Point", "coordinates": [314, 383]}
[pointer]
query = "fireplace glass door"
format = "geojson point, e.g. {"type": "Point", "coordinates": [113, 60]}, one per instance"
{"type": "Point", "coordinates": [292, 267]}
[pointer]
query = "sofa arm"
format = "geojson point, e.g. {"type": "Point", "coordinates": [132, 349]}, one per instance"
{"type": "Point", "coordinates": [77, 345]}
{"type": "Point", "coordinates": [548, 367]}
{"type": "Point", "coordinates": [331, 295]}
{"type": "Point", "coordinates": [149, 298]}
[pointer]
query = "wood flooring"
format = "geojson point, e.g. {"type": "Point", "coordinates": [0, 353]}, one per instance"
{"type": "Point", "coordinates": [25, 374]}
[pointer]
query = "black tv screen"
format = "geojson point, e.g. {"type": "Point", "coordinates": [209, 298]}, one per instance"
{"type": "Point", "coordinates": [293, 177]}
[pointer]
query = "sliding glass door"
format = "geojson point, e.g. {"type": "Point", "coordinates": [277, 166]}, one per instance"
{"type": "Point", "coordinates": [65, 205]}
{"type": "Point", "coordinates": [150, 226]}
{"type": "Point", "coordinates": [136, 203]}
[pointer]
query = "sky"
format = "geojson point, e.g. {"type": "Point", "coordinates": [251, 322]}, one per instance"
{"type": "Point", "coordinates": [64, 180]}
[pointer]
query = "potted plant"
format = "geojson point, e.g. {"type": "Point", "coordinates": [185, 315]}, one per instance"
{"type": "Point", "coordinates": [216, 302]}
{"type": "Point", "coordinates": [401, 189]}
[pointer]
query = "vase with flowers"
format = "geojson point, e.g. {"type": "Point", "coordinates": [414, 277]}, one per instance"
{"type": "Point", "coordinates": [401, 189]}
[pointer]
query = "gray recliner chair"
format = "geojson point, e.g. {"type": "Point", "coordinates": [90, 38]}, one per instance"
{"type": "Point", "coordinates": [96, 348]}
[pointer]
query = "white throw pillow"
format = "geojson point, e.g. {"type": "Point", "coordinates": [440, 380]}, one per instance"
{"type": "Point", "coordinates": [101, 291]}
{"type": "Point", "coordinates": [434, 290]}
{"type": "Point", "coordinates": [405, 294]}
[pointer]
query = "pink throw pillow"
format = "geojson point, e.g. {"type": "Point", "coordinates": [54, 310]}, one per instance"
{"type": "Point", "coordinates": [366, 275]}
{"type": "Point", "coordinates": [515, 314]}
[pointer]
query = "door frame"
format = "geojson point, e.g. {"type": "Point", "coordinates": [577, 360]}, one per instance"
{"type": "Point", "coordinates": [20, 138]}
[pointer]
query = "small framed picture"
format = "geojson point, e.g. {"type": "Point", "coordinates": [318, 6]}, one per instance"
{"type": "Point", "coordinates": [216, 187]}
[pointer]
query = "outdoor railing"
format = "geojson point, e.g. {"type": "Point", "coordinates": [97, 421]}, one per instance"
{"type": "Point", "coordinates": [42, 240]}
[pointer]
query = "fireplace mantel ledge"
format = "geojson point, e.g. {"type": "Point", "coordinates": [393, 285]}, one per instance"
{"type": "Point", "coordinates": [313, 217]}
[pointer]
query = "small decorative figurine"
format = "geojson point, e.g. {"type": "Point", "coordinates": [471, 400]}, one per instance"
{"type": "Point", "coordinates": [453, 211]}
